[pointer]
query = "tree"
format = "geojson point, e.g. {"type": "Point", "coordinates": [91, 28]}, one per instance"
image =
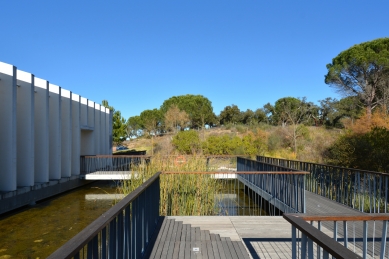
{"type": "Point", "coordinates": [134, 126]}
{"type": "Point", "coordinates": [362, 71]}
{"type": "Point", "coordinates": [118, 125]}
{"type": "Point", "coordinates": [198, 107]}
{"type": "Point", "coordinates": [174, 119]}
{"type": "Point", "coordinates": [230, 114]}
{"type": "Point", "coordinates": [292, 111]}
{"type": "Point", "coordinates": [151, 122]}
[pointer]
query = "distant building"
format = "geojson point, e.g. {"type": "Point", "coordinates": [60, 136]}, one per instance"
{"type": "Point", "coordinates": [44, 129]}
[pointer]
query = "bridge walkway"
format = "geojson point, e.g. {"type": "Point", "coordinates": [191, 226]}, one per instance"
{"type": "Point", "coordinates": [258, 236]}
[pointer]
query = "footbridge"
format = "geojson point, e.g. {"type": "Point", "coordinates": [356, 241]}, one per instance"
{"type": "Point", "coordinates": [322, 211]}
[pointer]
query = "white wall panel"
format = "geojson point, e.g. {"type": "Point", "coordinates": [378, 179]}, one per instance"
{"type": "Point", "coordinates": [41, 130]}
{"type": "Point", "coordinates": [66, 133]}
{"type": "Point", "coordinates": [54, 132]}
{"type": "Point", "coordinates": [8, 127]}
{"type": "Point", "coordinates": [76, 134]}
{"type": "Point", "coordinates": [25, 128]}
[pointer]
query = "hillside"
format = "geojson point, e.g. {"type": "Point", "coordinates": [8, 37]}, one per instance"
{"type": "Point", "coordinates": [311, 142]}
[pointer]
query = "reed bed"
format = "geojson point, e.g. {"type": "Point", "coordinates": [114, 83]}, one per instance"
{"type": "Point", "coordinates": [182, 194]}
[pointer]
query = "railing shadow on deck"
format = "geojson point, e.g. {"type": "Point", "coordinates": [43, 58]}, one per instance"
{"type": "Point", "coordinates": [363, 190]}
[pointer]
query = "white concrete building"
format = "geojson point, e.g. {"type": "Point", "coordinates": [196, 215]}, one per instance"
{"type": "Point", "coordinates": [44, 129]}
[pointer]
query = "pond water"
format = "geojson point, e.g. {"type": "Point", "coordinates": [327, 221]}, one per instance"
{"type": "Point", "coordinates": [234, 200]}
{"type": "Point", "coordinates": [37, 231]}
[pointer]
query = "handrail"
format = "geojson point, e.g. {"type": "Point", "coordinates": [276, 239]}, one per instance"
{"type": "Point", "coordinates": [235, 172]}
{"type": "Point", "coordinates": [364, 190]}
{"type": "Point", "coordinates": [343, 217]}
{"type": "Point", "coordinates": [327, 243]}
{"type": "Point", "coordinates": [74, 245]}
{"type": "Point", "coordinates": [281, 186]}
{"type": "Point", "coordinates": [333, 166]}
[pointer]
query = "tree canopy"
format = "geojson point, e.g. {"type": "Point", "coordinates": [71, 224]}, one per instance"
{"type": "Point", "coordinates": [119, 133]}
{"type": "Point", "coordinates": [198, 108]}
{"type": "Point", "coordinates": [363, 71]}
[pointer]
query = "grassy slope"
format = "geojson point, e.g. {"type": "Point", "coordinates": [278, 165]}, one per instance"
{"type": "Point", "coordinates": [311, 146]}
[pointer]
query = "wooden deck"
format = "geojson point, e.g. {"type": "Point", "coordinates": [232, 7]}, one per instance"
{"type": "Point", "coordinates": [256, 237]}
{"type": "Point", "coordinates": [179, 240]}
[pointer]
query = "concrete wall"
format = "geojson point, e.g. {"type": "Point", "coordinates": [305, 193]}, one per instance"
{"type": "Point", "coordinates": [8, 127]}
{"type": "Point", "coordinates": [44, 130]}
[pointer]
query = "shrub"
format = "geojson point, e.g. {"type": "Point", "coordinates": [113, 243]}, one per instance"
{"type": "Point", "coordinates": [367, 151]}
{"type": "Point", "coordinates": [187, 142]}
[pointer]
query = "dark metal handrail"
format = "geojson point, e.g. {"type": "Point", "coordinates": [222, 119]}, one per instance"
{"type": "Point", "coordinates": [331, 245]}
{"type": "Point", "coordinates": [364, 190]}
{"type": "Point", "coordinates": [309, 234]}
{"type": "Point", "coordinates": [88, 236]}
{"type": "Point", "coordinates": [282, 187]}
{"type": "Point", "coordinates": [267, 159]}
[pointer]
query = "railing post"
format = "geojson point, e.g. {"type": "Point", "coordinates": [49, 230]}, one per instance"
{"type": "Point", "coordinates": [294, 242]}
{"type": "Point", "coordinates": [318, 247]}
{"type": "Point", "coordinates": [364, 252]}
{"type": "Point", "coordinates": [345, 234]}
{"type": "Point", "coordinates": [303, 196]}
{"type": "Point", "coordinates": [383, 240]}
{"type": "Point", "coordinates": [304, 241]}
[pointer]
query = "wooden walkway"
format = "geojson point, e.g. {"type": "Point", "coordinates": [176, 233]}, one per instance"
{"type": "Point", "coordinates": [178, 240]}
{"type": "Point", "coordinates": [257, 237]}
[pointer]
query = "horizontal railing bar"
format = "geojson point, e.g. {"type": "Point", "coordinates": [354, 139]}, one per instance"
{"type": "Point", "coordinates": [114, 156]}
{"type": "Point", "coordinates": [352, 170]}
{"type": "Point", "coordinates": [323, 240]}
{"type": "Point", "coordinates": [343, 217]}
{"type": "Point", "coordinates": [239, 172]}
{"type": "Point", "coordinates": [75, 244]}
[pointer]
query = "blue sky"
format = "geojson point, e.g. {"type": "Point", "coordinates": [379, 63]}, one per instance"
{"type": "Point", "coordinates": [138, 53]}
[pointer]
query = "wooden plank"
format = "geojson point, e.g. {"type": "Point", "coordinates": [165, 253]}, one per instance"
{"type": "Point", "coordinates": [187, 233]}
{"type": "Point", "coordinates": [181, 253]}
{"type": "Point", "coordinates": [176, 250]}
{"type": "Point", "coordinates": [187, 249]}
{"type": "Point", "coordinates": [220, 248]}
{"type": "Point", "coordinates": [238, 251]}
{"type": "Point", "coordinates": [209, 247]}
{"type": "Point", "coordinates": [203, 249]}
{"type": "Point", "coordinates": [215, 249]}
{"type": "Point", "coordinates": [158, 239]}
{"type": "Point", "coordinates": [192, 234]}
{"type": "Point", "coordinates": [207, 235]}
{"type": "Point", "coordinates": [197, 234]}
{"type": "Point", "coordinates": [226, 249]}
{"type": "Point", "coordinates": [231, 248]}
{"type": "Point", "coordinates": [179, 231]}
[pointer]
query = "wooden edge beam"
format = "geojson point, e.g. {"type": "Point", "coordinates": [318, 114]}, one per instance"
{"type": "Point", "coordinates": [341, 217]}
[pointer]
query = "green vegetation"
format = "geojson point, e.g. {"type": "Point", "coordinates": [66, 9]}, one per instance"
{"type": "Point", "coordinates": [362, 71]}
{"type": "Point", "coordinates": [333, 131]}
{"type": "Point", "coordinates": [181, 194]}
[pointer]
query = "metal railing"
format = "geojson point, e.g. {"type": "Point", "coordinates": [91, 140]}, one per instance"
{"type": "Point", "coordinates": [351, 239]}
{"type": "Point", "coordinates": [110, 163]}
{"type": "Point", "coordinates": [280, 186]}
{"type": "Point", "coordinates": [124, 231]}
{"type": "Point", "coordinates": [366, 191]}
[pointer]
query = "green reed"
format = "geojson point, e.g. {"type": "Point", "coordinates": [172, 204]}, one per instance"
{"type": "Point", "coordinates": [186, 193]}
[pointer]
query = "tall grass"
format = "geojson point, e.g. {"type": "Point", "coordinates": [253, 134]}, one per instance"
{"type": "Point", "coordinates": [187, 193]}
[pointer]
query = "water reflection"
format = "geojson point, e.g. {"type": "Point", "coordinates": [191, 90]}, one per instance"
{"type": "Point", "coordinates": [234, 201]}
{"type": "Point", "coordinates": [39, 230]}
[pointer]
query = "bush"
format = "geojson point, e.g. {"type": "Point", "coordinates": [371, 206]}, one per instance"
{"type": "Point", "coordinates": [187, 142]}
{"type": "Point", "coordinates": [367, 151]}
